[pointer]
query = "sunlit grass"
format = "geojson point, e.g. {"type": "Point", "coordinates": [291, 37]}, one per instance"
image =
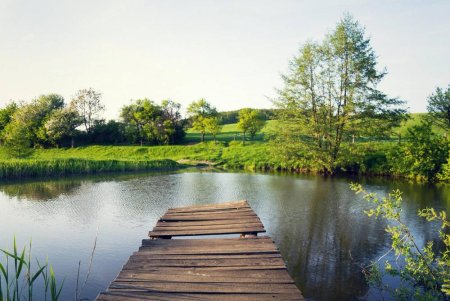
{"type": "Point", "coordinates": [66, 165]}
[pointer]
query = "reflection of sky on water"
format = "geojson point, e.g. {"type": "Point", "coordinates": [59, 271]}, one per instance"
{"type": "Point", "coordinates": [315, 221]}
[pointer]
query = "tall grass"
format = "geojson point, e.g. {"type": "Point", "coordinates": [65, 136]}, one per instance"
{"type": "Point", "coordinates": [18, 277]}
{"type": "Point", "coordinates": [20, 168]}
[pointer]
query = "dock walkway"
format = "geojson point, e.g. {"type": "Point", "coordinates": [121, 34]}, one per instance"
{"type": "Point", "coordinates": [246, 268]}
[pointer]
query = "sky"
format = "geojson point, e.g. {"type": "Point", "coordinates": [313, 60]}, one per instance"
{"type": "Point", "coordinates": [229, 52]}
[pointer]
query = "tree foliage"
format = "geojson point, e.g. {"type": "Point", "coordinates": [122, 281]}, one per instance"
{"type": "Point", "coordinates": [27, 125]}
{"type": "Point", "coordinates": [330, 94]}
{"type": "Point", "coordinates": [148, 122]}
{"type": "Point", "coordinates": [6, 114]}
{"type": "Point", "coordinates": [213, 126]}
{"type": "Point", "coordinates": [439, 108]}
{"type": "Point", "coordinates": [422, 155]}
{"type": "Point", "coordinates": [250, 121]}
{"type": "Point", "coordinates": [89, 106]}
{"type": "Point", "coordinates": [62, 123]}
{"type": "Point", "coordinates": [201, 112]}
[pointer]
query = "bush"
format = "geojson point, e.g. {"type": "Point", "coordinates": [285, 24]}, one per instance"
{"type": "Point", "coordinates": [422, 156]}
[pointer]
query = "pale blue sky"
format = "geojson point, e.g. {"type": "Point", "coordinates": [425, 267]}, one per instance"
{"type": "Point", "coordinates": [230, 52]}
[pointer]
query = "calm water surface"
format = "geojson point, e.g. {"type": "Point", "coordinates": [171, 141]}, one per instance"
{"type": "Point", "coordinates": [316, 222]}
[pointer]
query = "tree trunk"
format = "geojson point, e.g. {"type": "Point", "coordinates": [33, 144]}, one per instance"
{"type": "Point", "coordinates": [72, 142]}
{"type": "Point", "coordinates": [203, 137]}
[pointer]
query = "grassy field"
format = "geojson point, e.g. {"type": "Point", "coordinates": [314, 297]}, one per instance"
{"type": "Point", "coordinates": [229, 133]}
{"type": "Point", "coordinates": [228, 152]}
{"type": "Point", "coordinates": [414, 119]}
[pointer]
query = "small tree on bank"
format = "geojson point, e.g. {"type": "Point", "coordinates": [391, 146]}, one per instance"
{"type": "Point", "coordinates": [89, 107]}
{"type": "Point", "coordinates": [200, 111]}
{"type": "Point", "coordinates": [213, 126]}
{"type": "Point", "coordinates": [250, 121]}
{"type": "Point", "coordinates": [439, 108]}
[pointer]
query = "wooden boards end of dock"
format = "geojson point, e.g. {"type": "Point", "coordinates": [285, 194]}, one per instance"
{"type": "Point", "coordinates": [246, 268]}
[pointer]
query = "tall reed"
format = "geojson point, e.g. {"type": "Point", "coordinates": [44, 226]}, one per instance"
{"type": "Point", "coordinates": [17, 277]}
{"type": "Point", "coordinates": [21, 168]}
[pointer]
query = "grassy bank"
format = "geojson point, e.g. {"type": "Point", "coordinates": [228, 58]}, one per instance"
{"type": "Point", "coordinates": [23, 168]}
{"type": "Point", "coordinates": [363, 157]}
{"type": "Point", "coordinates": [257, 155]}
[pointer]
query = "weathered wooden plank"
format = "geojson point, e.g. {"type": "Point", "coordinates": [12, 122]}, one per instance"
{"type": "Point", "coordinates": [207, 227]}
{"type": "Point", "coordinates": [242, 210]}
{"type": "Point", "coordinates": [135, 261]}
{"type": "Point", "coordinates": [221, 211]}
{"type": "Point", "coordinates": [206, 210]}
{"type": "Point", "coordinates": [132, 296]}
{"type": "Point", "coordinates": [207, 275]}
{"type": "Point", "coordinates": [225, 205]}
{"type": "Point", "coordinates": [216, 250]}
{"type": "Point", "coordinates": [207, 217]}
{"type": "Point", "coordinates": [238, 230]}
{"type": "Point", "coordinates": [251, 220]}
{"type": "Point", "coordinates": [176, 287]}
{"type": "Point", "coordinates": [145, 254]}
{"type": "Point", "coordinates": [246, 268]}
{"type": "Point", "coordinates": [260, 240]}
{"type": "Point", "coordinates": [209, 246]}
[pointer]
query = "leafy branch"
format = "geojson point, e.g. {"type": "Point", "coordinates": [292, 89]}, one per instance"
{"type": "Point", "coordinates": [424, 271]}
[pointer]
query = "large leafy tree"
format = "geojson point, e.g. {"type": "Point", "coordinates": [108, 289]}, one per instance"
{"type": "Point", "coordinates": [173, 126]}
{"type": "Point", "coordinates": [62, 124]}
{"type": "Point", "coordinates": [439, 108]}
{"type": "Point", "coordinates": [201, 112]}
{"type": "Point", "coordinates": [330, 94]}
{"type": "Point", "coordinates": [6, 114]}
{"type": "Point", "coordinates": [27, 122]}
{"type": "Point", "coordinates": [142, 115]}
{"type": "Point", "coordinates": [149, 122]}
{"type": "Point", "coordinates": [89, 106]}
{"type": "Point", "coordinates": [250, 121]}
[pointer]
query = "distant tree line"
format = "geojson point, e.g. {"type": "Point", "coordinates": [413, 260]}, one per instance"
{"type": "Point", "coordinates": [229, 117]}
{"type": "Point", "coordinates": [49, 121]}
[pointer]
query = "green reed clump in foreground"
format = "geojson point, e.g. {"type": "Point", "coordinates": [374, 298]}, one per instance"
{"type": "Point", "coordinates": [18, 277]}
{"type": "Point", "coordinates": [19, 168]}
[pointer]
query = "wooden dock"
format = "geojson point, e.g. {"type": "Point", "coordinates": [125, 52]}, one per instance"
{"type": "Point", "coordinates": [248, 267]}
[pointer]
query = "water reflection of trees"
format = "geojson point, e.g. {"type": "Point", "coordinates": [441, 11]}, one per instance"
{"type": "Point", "coordinates": [317, 244]}
{"type": "Point", "coordinates": [40, 191]}
{"type": "Point", "coordinates": [51, 188]}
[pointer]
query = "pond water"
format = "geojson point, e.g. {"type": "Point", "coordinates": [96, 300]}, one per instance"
{"type": "Point", "coordinates": [315, 221]}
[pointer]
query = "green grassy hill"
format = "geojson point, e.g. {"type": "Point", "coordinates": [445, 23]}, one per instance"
{"type": "Point", "coordinates": [231, 133]}
{"type": "Point", "coordinates": [415, 119]}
